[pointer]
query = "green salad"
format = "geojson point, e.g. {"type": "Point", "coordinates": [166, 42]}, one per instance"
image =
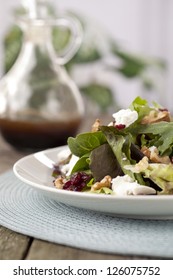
{"type": "Point", "coordinates": [132, 155]}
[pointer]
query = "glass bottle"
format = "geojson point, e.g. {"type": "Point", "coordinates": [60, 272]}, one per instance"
{"type": "Point", "coordinates": [40, 106]}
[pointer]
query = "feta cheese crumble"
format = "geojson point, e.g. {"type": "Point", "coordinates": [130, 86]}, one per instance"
{"type": "Point", "coordinates": [125, 117]}
{"type": "Point", "coordinates": [63, 155]}
{"type": "Point", "coordinates": [67, 168]}
{"type": "Point", "coordinates": [125, 185]}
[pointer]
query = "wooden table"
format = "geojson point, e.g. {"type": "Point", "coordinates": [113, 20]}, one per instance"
{"type": "Point", "coordinates": [15, 246]}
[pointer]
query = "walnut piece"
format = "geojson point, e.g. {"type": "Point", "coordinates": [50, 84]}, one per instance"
{"type": "Point", "coordinates": [95, 126]}
{"type": "Point", "coordinates": [59, 182]}
{"type": "Point", "coordinates": [156, 116]}
{"type": "Point", "coordinates": [105, 182]}
{"type": "Point", "coordinates": [145, 150]}
{"type": "Point", "coordinates": [153, 155]}
{"type": "Point", "coordinates": [142, 164]}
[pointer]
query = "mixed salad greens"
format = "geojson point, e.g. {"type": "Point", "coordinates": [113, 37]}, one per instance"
{"type": "Point", "coordinates": [132, 155]}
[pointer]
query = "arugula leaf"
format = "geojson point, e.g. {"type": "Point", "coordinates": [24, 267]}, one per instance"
{"type": "Point", "coordinates": [85, 142]}
{"type": "Point", "coordinates": [162, 133]}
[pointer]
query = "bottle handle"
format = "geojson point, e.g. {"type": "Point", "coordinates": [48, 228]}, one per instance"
{"type": "Point", "coordinates": [76, 39]}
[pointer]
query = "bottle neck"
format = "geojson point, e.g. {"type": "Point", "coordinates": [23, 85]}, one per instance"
{"type": "Point", "coordinates": [38, 34]}
{"type": "Point", "coordinates": [35, 22]}
{"type": "Point", "coordinates": [37, 9]}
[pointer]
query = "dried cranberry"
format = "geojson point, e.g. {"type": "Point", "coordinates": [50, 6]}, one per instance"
{"type": "Point", "coordinates": [77, 182]}
{"type": "Point", "coordinates": [56, 171]}
{"type": "Point", "coordinates": [120, 126]}
{"type": "Point", "coordinates": [163, 109]}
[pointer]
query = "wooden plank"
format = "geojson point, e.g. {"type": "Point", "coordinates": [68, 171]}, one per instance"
{"type": "Point", "coordinates": [41, 250]}
{"type": "Point", "coordinates": [8, 156]}
{"type": "Point", "coordinates": [13, 246]}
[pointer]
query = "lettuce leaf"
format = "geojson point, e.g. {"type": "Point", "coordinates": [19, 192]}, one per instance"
{"type": "Point", "coordinates": [86, 142]}
{"type": "Point", "coordinates": [120, 143]}
{"type": "Point", "coordinates": [103, 190]}
{"type": "Point", "coordinates": [158, 134]}
{"type": "Point", "coordinates": [160, 174]}
{"type": "Point", "coordinates": [81, 165]}
{"type": "Point", "coordinates": [103, 162]}
{"type": "Point", "coordinates": [141, 106]}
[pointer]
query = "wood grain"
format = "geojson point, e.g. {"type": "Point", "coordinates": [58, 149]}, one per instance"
{"type": "Point", "coordinates": [50, 251]}
{"type": "Point", "coordinates": [13, 246]}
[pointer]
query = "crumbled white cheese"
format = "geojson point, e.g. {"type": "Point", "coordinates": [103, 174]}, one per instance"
{"type": "Point", "coordinates": [63, 155]}
{"type": "Point", "coordinates": [67, 168]}
{"type": "Point", "coordinates": [153, 149]}
{"type": "Point", "coordinates": [124, 185]}
{"type": "Point", "coordinates": [125, 117]}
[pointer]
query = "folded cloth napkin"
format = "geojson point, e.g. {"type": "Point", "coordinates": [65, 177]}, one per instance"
{"type": "Point", "coordinates": [27, 211]}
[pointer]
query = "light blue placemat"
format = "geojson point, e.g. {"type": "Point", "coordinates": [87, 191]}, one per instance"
{"type": "Point", "coordinates": [26, 211]}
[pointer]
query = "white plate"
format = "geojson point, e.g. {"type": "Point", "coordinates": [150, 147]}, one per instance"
{"type": "Point", "coordinates": [36, 169]}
